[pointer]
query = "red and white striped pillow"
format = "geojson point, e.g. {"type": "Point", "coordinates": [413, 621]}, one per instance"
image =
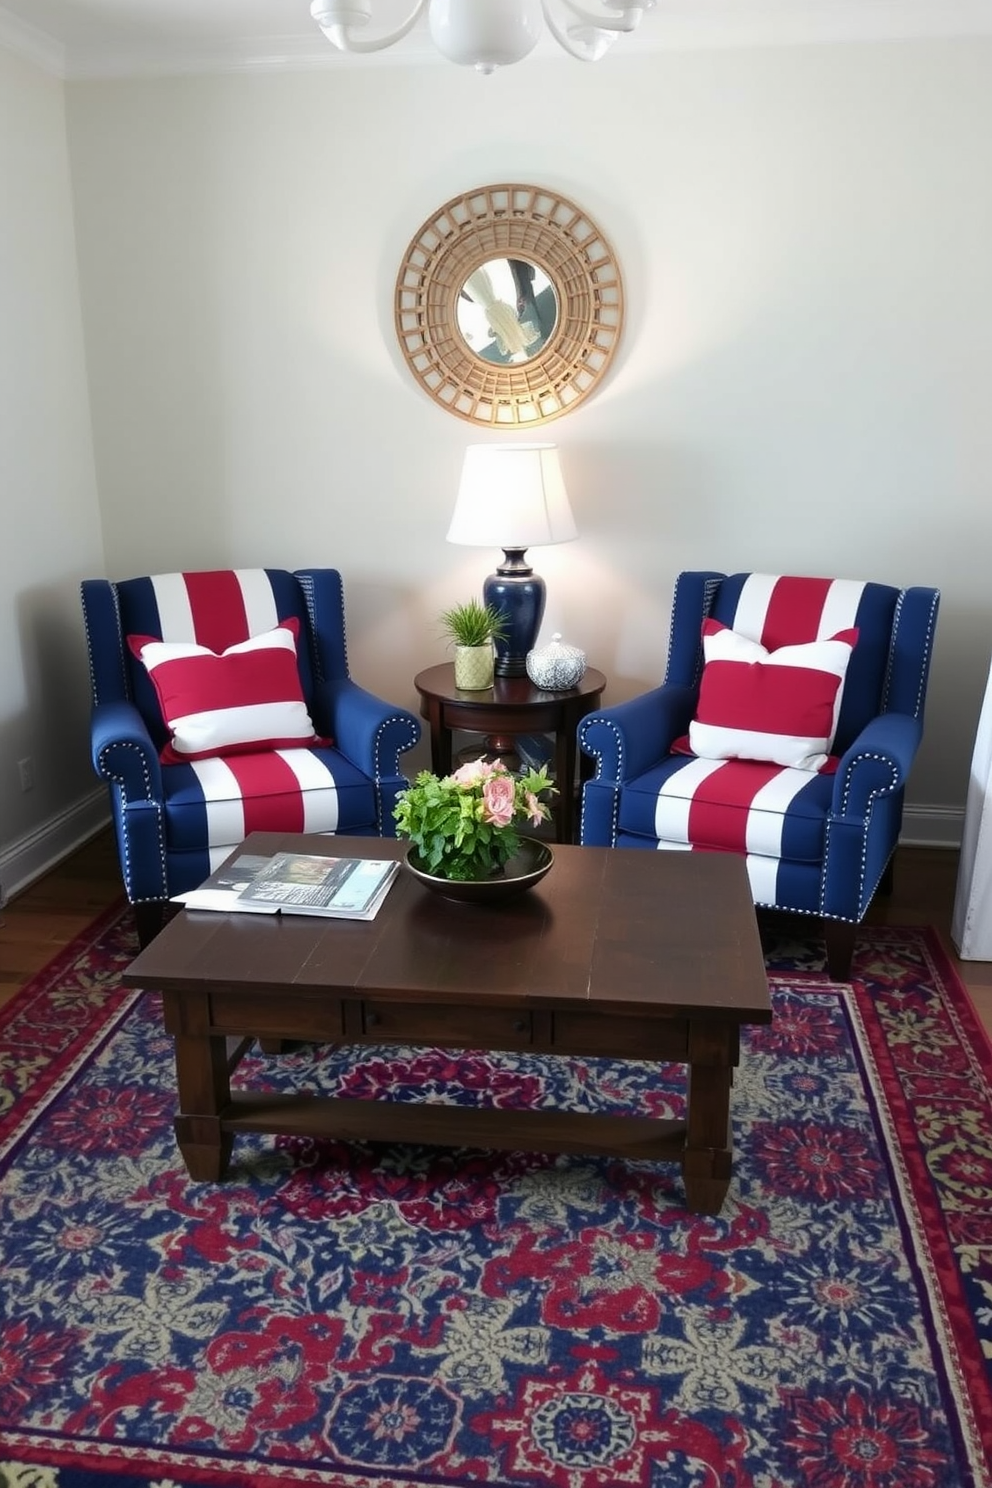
{"type": "Point", "coordinates": [246, 698]}
{"type": "Point", "coordinates": [778, 706]}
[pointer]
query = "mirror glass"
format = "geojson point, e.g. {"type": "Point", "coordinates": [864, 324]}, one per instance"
{"type": "Point", "coordinates": [507, 309]}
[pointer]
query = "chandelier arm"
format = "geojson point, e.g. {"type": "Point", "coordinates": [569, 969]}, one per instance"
{"type": "Point", "coordinates": [589, 45]}
{"type": "Point", "coordinates": [338, 33]}
{"type": "Point", "coordinates": [619, 15]}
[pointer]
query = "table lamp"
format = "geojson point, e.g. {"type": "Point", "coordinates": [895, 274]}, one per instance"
{"type": "Point", "coordinates": [512, 496]}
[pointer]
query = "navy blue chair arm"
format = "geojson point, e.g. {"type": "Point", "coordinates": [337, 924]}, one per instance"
{"type": "Point", "coordinates": [877, 763]}
{"type": "Point", "coordinates": [370, 732]}
{"type": "Point", "coordinates": [123, 752]}
{"type": "Point", "coordinates": [629, 738]}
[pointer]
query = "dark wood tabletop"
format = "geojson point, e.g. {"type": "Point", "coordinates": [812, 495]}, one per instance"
{"type": "Point", "coordinates": [631, 929]}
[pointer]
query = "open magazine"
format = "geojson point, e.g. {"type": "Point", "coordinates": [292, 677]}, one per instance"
{"type": "Point", "coordinates": [296, 883]}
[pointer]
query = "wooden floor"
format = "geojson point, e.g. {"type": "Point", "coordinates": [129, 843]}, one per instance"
{"type": "Point", "coordinates": [37, 923]}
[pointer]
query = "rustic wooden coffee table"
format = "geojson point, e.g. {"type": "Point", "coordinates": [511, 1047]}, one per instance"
{"type": "Point", "coordinates": [632, 955]}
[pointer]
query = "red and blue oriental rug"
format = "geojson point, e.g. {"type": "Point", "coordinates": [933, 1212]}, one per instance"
{"type": "Point", "coordinates": [407, 1317]}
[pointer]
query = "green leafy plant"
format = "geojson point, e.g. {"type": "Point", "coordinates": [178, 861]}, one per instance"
{"type": "Point", "coordinates": [473, 624]}
{"type": "Point", "coordinates": [464, 825]}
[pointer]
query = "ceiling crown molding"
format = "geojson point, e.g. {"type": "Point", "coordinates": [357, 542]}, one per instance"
{"type": "Point", "coordinates": [36, 46]}
{"type": "Point", "coordinates": [673, 25]}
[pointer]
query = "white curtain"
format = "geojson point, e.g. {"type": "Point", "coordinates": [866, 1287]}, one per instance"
{"type": "Point", "coordinates": [971, 926]}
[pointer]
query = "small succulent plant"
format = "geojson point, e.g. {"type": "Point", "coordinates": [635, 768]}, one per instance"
{"type": "Point", "coordinates": [473, 624]}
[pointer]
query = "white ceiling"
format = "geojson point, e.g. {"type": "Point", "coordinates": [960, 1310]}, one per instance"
{"type": "Point", "coordinates": [116, 38]}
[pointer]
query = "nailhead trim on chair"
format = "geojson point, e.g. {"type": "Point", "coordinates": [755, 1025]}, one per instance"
{"type": "Point", "coordinates": [863, 899]}
{"type": "Point", "coordinates": [710, 588]}
{"type": "Point", "coordinates": [115, 785]}
{"type": "Point", "coordinates": [387, 723]}
{"type": "Point", "coordinates": [306, 587]}
{"type": "Point", "coordinates": [598, 757]}
{"type": "Point", "coordinates": [106, 773]}
{"type": "Point", "coordinates": [709, 595]}
{"type": "Point", "coordinates": [884, 790]}
{"type": "Point", "coordinates": [671, 628]}
{"type": "Point", "coordinates": [931, 626]}
{"type": "Point", "coordinates": [812, 914]}
{"type": "Point", "coordinates": [890, 659]}
{"type": "Point", "coordinates": [89, 653]}
{"type": "Point", "coordinates": [126, 865]}
{"type": "Point", "coordinates": [305, 581]}
{"type": "Point", "coordinates": [121, 652]}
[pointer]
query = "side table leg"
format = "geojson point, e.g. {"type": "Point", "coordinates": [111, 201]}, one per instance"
{"type": "Point", "coordinates": [565, 781]}
{"type": "Point", "coordinates": [440, 737]}
{"type": "Point", "coordinates": [442, 751]}
{"type": "Point", "coordinates": [204, 1090]}
{"type": "Point", "coordinates": [708, 1157]}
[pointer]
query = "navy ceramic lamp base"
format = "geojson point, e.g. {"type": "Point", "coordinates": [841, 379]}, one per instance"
{"type": "Point", "coordinates": [519, 593]}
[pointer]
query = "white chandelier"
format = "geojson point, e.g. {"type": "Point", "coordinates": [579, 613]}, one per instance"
{"type": "Point", "coordinates": [486, 34]}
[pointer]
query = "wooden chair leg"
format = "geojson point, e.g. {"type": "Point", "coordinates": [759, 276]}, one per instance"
{"type": "Point", "coordinates": [885, 883]}
{"type": "Point", "coordinates": [839, 936]}
{"type": "Point", "coordinates": [148, 919]}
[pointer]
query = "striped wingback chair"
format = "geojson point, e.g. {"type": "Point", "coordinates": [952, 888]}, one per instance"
{"type": "Point", "coordinates": [795, 758]}
{"type": "Point", "coordinates": [222, 705]}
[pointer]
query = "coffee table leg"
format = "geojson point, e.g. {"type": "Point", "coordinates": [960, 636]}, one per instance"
{"type": "Point", "coordinates": [708, 1156]}
{"type": "Point", "coordinates": [204, 1090]}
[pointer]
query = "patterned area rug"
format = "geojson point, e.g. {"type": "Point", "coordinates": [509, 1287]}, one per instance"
{"type": "Point", "coordinates": [408, 1317]}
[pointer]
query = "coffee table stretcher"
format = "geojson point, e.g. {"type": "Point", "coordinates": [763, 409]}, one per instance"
{"type": "Point", "coordinates": [210, 1115]}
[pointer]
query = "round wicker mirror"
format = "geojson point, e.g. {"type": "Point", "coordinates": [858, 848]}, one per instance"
{"type": "Point", "coordinates": [534, 359]}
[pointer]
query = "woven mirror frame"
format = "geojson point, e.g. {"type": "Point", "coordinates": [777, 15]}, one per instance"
{"type": "Point", "coordinates": [512, 222]}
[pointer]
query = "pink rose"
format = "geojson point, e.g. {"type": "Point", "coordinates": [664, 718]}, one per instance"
{"type": "Point", "coordinates": [471, 773]}
{"type": "Point", "coordinates": [477, 770]}
{"type": "Point", "coordinates": [535, 811]}
{"type": "Point", "coordinates": [499, 799]}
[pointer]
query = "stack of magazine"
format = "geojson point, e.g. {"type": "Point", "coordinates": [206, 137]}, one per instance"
{"type": "Point", "coordinates": [296, 883]}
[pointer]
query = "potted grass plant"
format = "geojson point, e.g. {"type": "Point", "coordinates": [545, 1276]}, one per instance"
{"type": "Point", "coordinates": [472, 627]}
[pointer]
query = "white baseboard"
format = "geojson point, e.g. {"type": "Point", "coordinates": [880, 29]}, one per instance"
{"type": "Point", "coordinates": [932, 826]}
{"type": "Point", "coordinates": [26, 859]}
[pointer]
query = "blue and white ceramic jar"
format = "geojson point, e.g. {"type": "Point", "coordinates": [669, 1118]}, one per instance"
{"type": "Point", "coordinates": [556, 667]}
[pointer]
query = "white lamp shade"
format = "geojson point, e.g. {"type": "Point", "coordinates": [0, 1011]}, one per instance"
{"type": "Point", "coordinates": [485, 33]}
{"type": "Point", "coordinates": [511, 496]}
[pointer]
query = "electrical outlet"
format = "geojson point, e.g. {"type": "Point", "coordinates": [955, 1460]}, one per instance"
{"type": "Point", "coordinates": [26, 771]}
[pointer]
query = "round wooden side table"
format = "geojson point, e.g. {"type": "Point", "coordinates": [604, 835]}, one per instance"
{"type": "Point", "coordinates": [513, 705]}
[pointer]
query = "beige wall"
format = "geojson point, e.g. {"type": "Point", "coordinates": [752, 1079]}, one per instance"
{"type": "Point", "coordinates": [802, 384]}
{"type": "Point", "coordinates": [51, 520]}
